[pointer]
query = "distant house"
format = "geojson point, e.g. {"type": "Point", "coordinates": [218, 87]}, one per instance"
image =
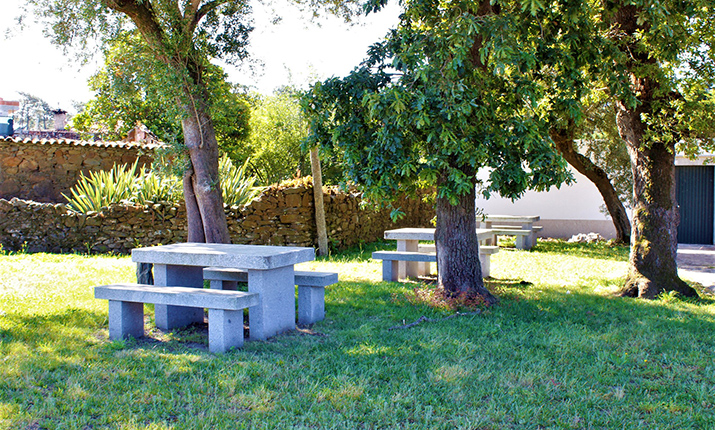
{"type": "Point", "coordinates": [7, 109]}
{"type": "Point", "coordinates": [576, 208]}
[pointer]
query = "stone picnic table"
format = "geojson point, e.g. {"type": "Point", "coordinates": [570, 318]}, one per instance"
{"type": "Point", "coordinates": [408, 242]}
{"type": "Point", "coordinates": [520, 226]}
{"type": "Point", "coordinates": [270, 270]}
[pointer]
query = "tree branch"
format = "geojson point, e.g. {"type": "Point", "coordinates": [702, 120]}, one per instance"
{"type": "Point", "coordinates": [143, 16]}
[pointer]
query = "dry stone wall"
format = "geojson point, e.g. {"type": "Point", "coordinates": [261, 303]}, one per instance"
{"type": "Point", "coordinates": [41, 170]}
{"type": "Point", "coordinates": [279, 216]}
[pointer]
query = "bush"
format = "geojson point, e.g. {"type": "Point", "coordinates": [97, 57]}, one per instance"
{"type": "Point", "coordinates": [124, 184]}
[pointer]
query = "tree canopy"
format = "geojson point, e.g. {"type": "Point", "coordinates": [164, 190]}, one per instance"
{"type": "Point", "coordinates": [129, 91]}
{"type": "Point", "coordinates": [463, 85]}
{"type": "Point", "coordinates": [458, 86]}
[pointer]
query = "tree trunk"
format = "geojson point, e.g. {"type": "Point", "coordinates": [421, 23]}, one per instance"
{"type": "Point", "coordinates": [565, 144]}
{"type": "Point", "coordinates": [654, 243]}
{"type": "Point", "coordinates": [202, 187]}
{"type": "Point", "coordinates": [458, 268]}
{"type": "Point", "coordinates": [653, 268]}
{"type": "Point", "coordinates": [318, 199]}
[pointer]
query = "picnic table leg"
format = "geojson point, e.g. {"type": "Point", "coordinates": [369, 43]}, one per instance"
{"type": "Point", "coordinates": [169, 317]}
{"type": "Point", "coordinates": [275, 312]}
{"type": "Point", "coordinates": [409, 269]}
{"type": "Point", "coordinates": [528, 241]}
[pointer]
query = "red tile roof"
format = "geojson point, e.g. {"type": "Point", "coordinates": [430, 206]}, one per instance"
{"type": "Point", "coordinates": [76, 142]}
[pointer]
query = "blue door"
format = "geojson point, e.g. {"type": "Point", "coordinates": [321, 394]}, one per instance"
{"type": "Point", "coordinates": [694, 193]}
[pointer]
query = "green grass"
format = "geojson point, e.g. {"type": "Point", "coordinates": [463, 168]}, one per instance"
{"type": "Point", "coordinates": [559, 351]}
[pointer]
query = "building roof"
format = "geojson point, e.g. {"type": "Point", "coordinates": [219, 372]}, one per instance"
{"type": "Point", "coordinates": [77, 142]}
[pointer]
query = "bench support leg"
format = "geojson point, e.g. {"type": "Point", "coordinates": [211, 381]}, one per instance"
{"type": "Point", "coordinates": [521, 242]}
{"type": "Point", "coordinates": [225, 330]}
{"type": "Point", "coordinates": [486, 265]}
{"type": "Point", "coordinates": [126, 319]}
{"type": "Point", "coordinates": [275, 312]}
{"type": "Point", "coordinates": [311, 304]}
{"type": "Point", "coordinates": [390, 270]}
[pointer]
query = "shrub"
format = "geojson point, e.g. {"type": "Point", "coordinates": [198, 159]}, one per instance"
{"type": "Point", "coordinates": [103, 188]}
{"type": "Point", "coordinates": [238, 189]}
{"type": "Point", "coordinates": [123, 183]}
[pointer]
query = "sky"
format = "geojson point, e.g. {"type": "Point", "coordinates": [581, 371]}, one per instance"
{"type": "Point", "coordinates": [294, 51]}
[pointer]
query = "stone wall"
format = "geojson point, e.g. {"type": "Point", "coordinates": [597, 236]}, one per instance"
{"type": "Point", "coordinates": [41, 170]}
{"type": "Point", "coordinates": [279, 216]}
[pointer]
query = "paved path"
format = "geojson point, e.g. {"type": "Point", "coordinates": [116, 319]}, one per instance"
{"type": "Point", "coordinates": [697, 263]}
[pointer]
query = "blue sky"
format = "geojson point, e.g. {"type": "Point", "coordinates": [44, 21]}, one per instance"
{"type": "Point", "coordinates": [294, 51]}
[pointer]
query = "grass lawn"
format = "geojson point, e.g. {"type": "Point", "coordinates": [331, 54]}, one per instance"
{"type": "Point", "coordinates": [558, 351]}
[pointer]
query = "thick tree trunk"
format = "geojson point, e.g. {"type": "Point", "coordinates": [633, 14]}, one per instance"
{"type": "Point", "coordinates": [458, 268]}
{"type": "Point", "coordinates": [202, 188]}
{"type": "Point", "coordinates": [654, 243]}
{"type": "Point", "coordinates": [318, 200]}
{"type": "Point", "coordinates": [565, 144]}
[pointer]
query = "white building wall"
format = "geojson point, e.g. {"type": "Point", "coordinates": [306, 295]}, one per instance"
{"type": "Point", "coordinates": [564, 212]}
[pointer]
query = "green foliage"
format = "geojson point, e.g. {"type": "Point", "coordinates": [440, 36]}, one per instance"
{"type": "Point", "coordinates": [277, 129]}
{"type": "Point", "coordinates": [127, 184]}
{"type": "Point", "coordinates": [128, 91]}
{"type": "Point", "coordinates": [103, 188]}
{"type": "Point", "coordinates": [451, 90]}
{"type": "Point", "coordinates": [34, 114]}
{"type": "Point", "coordinates": [152, 186]}
{"type": "Point", "coordinates": [238, 188]}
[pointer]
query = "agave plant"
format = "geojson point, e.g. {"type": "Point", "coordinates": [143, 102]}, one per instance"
{"type": "Point", "coordinates": [238, 188]}
{"type": "Point", "coordinates": [102, 188]}
{"type": "Point", "coordinates": [153, 187]}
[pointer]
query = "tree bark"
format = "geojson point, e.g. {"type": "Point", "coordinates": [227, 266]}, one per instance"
{"type": "Point", "coordinates": [653, 268]}
{"type": "Point", "coordinates": [209, 220]}
{"type": "Point", "coordinates": [565, 144]}
{"type": "Point", "coordinates": [202, 190]}
{"type": "Point", "coordinates": [458, 267]}
{"type": "Point", "coordinates": [318, 200]}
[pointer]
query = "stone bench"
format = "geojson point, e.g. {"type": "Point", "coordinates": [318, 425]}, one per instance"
{"type": "Point", "coordinates": [311, 289]}
{"type": "Point", "coordinates": [391, 260]}
{"type": "Point", "coordinates": [126, 310]}
{"type": "Point", "coordinates": [524, 239]}
{"type": "Point", "coordinates": [426, 254]}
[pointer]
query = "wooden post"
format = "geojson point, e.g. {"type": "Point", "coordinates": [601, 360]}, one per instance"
{"type": "Point", "coordinates": [318, 199]}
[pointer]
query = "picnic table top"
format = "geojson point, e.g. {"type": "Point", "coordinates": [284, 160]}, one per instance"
{"type": "Point", "coordinates": [512, 218]}
{"type": "Point", "coordinates": [411, 233]}
{"type": "Point", "coordinates": [259, 257]}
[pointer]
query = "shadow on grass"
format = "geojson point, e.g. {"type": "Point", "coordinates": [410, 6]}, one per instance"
{"type": "Point", "coordinates": [59, 327]}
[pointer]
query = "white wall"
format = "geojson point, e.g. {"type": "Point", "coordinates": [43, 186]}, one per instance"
{"type": "Point", "coordinates": [564, 211]}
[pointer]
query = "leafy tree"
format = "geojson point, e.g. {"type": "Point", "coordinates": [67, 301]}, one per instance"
{"type": "Point", "coordinates": [34, 113]}
{"type": "Point", "coordinates": [277, 131]}
{"type": "Point", "coordinates": [594, 148]}
{"type": "Point", "coordinates": [129, 91]}
{"type": "Point", "coordinates": [453, 89]}
{"type": "Point", "coordinates": [182, 35]}
{"type": "Point", "coordinates": [656, 69]}
{"type": "Point", "coordinates": [664, 52]}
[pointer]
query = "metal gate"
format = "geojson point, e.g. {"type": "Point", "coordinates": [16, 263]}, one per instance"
{"type": "Point", "coordinates": [694, 193]}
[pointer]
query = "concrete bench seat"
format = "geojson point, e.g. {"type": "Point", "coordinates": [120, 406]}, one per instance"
{"type": "Point", "coordinates": [311, 289]}
{"type": "Point", "coordinates": [426, 254]}
{"type": "Point", "coordinates": [515, 227]}
{"type": "Point", "coordinates": [485, 252]}
{"type": "Point", "coordinates": [126, 310]}
{"type": "Point", "coordinates": [523, 238]}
